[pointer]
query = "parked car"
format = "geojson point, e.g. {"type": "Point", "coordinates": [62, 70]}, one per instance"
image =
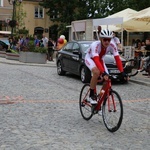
{"type": "Point", "coordinates": [71, 59]}
{"type": "Point", "coordinates": [4, 44]}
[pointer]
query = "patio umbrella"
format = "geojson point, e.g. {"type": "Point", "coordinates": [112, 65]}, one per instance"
{"type": "Point", "coordinates": [138, 22]}
{"type": "Point", "coordinates": [125, 14]}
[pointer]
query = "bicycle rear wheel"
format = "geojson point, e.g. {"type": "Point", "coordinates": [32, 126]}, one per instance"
{"type": "Point", "coordinates": [85, 107]}
{"type": "Point", "coordinates": [112, 111]}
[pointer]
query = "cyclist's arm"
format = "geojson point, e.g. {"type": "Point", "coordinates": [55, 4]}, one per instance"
{"type": "Point", "coordinates": [117, 57]}
{"type": "Point", "coordinates": [119, 63]}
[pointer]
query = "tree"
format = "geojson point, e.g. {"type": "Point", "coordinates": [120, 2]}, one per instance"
{"type": "Point", "coordinates": [61, 11]}
{"type": "Point", "coordinates": [67, 11]}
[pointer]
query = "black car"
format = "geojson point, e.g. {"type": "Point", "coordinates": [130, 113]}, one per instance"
{"type": "Point", "coordinates": [71, 59]}
{"type": "Point", "coordinates": [4, 44]}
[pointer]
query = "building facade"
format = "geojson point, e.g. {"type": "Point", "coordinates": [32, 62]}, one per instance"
{"type": "Point", "coordinates": [36, 20]}
{"type": "Point", "coordinates": [5, 15]}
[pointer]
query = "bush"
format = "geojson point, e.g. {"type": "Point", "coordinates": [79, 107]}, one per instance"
{"type": "Point", "coordinates": [40, 49]}
{"type": "Point", "coordinates": [32, 48]}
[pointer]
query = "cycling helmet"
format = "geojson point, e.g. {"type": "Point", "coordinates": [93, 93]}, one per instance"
{"type": "Point", "coordinates": [106, 33]}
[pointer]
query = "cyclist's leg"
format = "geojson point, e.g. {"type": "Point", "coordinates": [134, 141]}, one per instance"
{"type": "Point", "coordinates": [95, 74]}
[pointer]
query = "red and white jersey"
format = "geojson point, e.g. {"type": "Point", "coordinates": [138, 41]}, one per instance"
{"type": "Point", "coordinates": [95, 49]}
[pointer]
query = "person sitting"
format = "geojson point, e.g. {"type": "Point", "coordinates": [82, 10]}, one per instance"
{"type": "Point", "coordinates": [138, 53]}
{"type": "Point", "coordinates": [147, 58]}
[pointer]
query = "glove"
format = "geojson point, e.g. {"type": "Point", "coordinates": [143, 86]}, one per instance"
{"type": "Point", "coordinates": [104, 73]}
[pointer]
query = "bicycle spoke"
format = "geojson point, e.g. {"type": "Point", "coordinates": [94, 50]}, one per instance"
{"type": "Point", "coordinates": [112, 112]}
{"type": "Point", "coordinates": [85, 107]}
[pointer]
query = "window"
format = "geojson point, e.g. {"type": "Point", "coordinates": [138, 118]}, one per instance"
{"type": "Point", "coordinates": [1, 3]}
{"type": "Point", "coordinates": [39, 12]}
{"type": "Point", "coordinates": [75, 46]}
{"type": "Point", "coordinates": [68, 47]}
{"type": "Point", "coordinates": [85, 46]}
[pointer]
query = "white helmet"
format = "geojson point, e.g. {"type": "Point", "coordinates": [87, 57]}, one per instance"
{"type": "Point", "coordinates": [106, 33]}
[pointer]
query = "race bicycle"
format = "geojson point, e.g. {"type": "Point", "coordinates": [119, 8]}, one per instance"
{"type": "Point", "coordinates": [109, 102]}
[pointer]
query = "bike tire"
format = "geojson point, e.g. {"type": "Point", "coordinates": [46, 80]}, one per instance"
{"type": "Point", "coordinates": [133, 73]}
{"type": "Point", "coordinates": [112, 119]}
{"type": "Point", "coordinates": [85, 107]}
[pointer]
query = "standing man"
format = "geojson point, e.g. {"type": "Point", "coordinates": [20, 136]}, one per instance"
{"type": "Point", "coordinates": [50, 49]}
{"type": "Point", "coordinates": [45, 40]}
{"type": "Point", "coordinates": [117, 41]}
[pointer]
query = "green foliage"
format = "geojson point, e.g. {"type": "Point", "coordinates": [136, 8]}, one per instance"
{"type": "Point", "coordinates": [32, 48]}
{"type": "Point", "coordinates": [53, 30]}
{"type": "Point", "coordinates": [66, 11]}
{"type": "Point", "coordinates": [40, 50]}
{"type": "Point", "coordinates": [13, 51]}
{"type": "Point", "coordinates": [23, 31]}
{"type": "Point", "coordinates": [20, 15]}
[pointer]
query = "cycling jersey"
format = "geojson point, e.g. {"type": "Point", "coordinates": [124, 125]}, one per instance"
{"type": "Point", "coordinates": [95, 56]}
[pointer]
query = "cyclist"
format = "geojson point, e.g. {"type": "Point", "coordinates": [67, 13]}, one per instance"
{"type": "Point", "coordinates": [94, 60]}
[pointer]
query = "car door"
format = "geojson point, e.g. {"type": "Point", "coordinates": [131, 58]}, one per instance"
{"type": "Point", "coordinates": [66, 56]}
{"type": "Point", "coordinates": [75, 58]}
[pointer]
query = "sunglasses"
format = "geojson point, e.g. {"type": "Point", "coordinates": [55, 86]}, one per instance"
{"type": "Point", "coordinates": [106, 39]}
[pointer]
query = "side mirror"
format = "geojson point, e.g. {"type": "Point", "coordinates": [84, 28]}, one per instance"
{"type": "Point", "coordinates": [76, 51]}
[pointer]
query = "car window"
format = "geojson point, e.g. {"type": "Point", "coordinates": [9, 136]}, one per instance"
{"type": "Point", "coordinates": [68, 47]}
{"type": "Point", "coordinates": [85, 46]}
{"type": "Point", "coordinates": [75, 46]}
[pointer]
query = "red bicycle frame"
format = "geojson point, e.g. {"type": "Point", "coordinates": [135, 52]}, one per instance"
{"type": "Point", "coordinates": [107, 90]}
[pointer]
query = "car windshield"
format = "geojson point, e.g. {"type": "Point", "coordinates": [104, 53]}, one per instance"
{"type": "Point", "coordinates": [5, 41]}
{"type": "Point", "coordinates": [85, 46]}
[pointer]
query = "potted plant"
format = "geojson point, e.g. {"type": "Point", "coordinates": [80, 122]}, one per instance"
{"type": "Point", "coordinates": [33, 54]}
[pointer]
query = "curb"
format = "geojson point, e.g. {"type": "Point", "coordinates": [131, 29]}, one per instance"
{"type": "Point", "coordinates": [29, 64]}
{"type": "Point", "coordinates": [140, 82]}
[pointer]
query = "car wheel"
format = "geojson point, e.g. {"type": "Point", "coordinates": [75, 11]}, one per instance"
{"type": "Point", "coordinates": [85, 74]}
{"type": "Point", "coordinates": [60, 71]}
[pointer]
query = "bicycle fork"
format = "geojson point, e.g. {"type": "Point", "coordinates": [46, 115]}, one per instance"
{"type": "Point", "coordinates": [111, 102]}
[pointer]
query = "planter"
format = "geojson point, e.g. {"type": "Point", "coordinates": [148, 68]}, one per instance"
{"type": "Point", "coordinates": [2, 54]}
{"type": "Point", "coordinates": [12, 56]}
{"type": "Point", "coordinates": [32, 57]}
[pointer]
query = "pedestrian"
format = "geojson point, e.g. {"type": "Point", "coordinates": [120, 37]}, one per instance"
{"type": "Point", "coordinates": [36, 41]}
{"type": "Point", "coordinates": [117, 42]}
{"type": "Point", "coordinates": [41, 43]}
{"type": "Point", "coordinates": [50, 49]}
{"type": "Point", "coordinates": [45, 40]}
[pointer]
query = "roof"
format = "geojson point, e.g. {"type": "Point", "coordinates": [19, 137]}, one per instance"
{"type": "Point", "coordinates": [5, 32]}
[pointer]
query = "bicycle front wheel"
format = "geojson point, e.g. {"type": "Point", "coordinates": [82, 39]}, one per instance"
{"type": "Point", "coordinates": [112, 111]}
{"type": "Point", "coordinates": [85, 107]}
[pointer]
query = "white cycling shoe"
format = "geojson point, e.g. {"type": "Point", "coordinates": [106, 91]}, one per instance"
{"type": "Point", "coordinates": [92, 101]}
{"type": "Point", "coordinates": [100, 112]}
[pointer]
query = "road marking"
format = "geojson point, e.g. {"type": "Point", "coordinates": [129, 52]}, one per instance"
{"type": "Point", "coordinates": [19, 99]}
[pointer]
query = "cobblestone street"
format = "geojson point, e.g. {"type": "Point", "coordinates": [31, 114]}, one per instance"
{"type": "Point", "coordinates": [39, 110]}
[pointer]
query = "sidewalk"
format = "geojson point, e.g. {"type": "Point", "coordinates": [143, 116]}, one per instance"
{"type": "Point", "coordinates": [139, 78]}
{"type": "Point", "coordinates": [16, 62]}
